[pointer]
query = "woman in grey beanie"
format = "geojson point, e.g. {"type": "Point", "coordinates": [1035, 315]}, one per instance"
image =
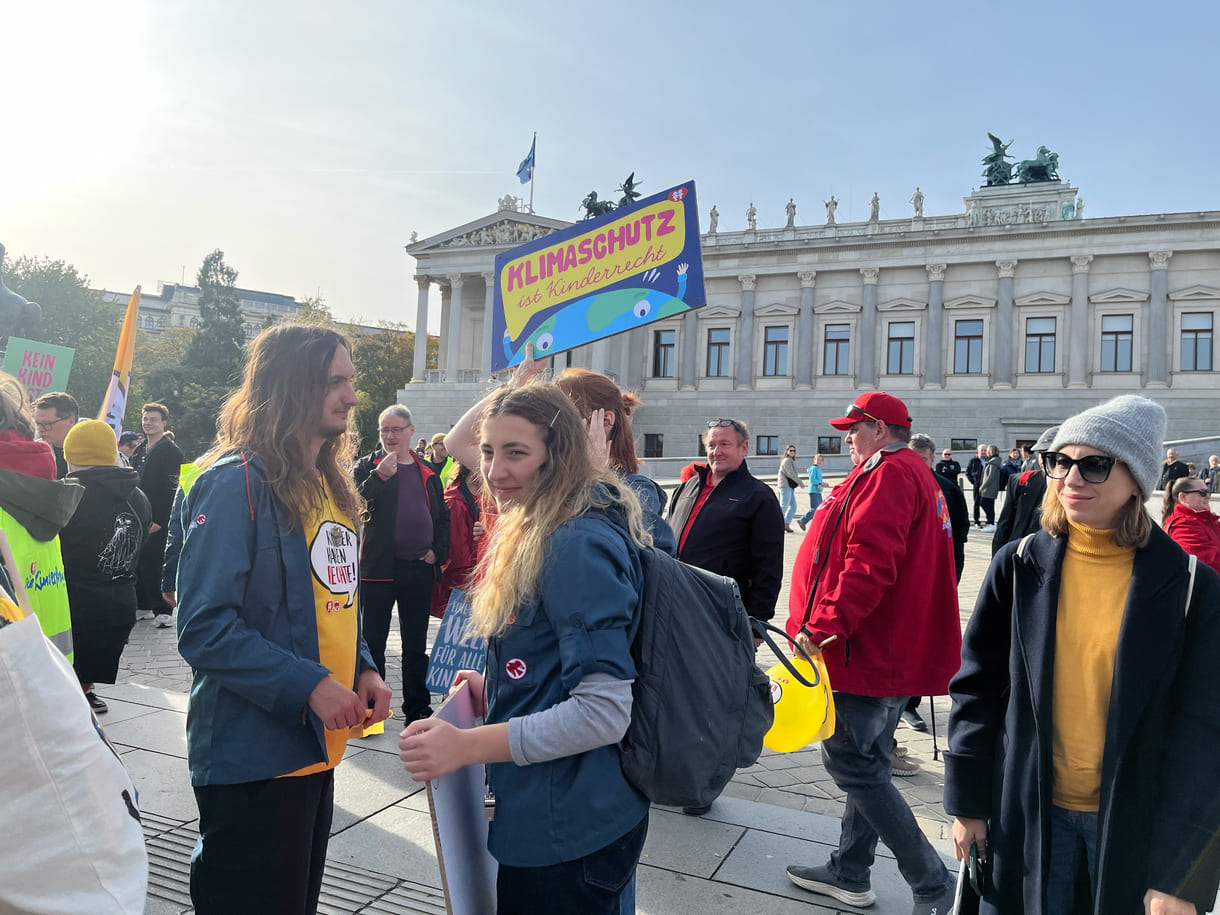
{"type": "Point", "coordinates": [1084, 713]}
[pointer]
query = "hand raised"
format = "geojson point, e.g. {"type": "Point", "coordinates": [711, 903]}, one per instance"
{"type": "Point", "coordinates": [387, 466]}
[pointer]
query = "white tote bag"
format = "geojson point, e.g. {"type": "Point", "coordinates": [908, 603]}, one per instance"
{"type": "Point", "coordinates": [73, 841]}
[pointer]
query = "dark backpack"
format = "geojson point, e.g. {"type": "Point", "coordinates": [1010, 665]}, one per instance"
{"type": "Point", "coordinates": [700, 704]}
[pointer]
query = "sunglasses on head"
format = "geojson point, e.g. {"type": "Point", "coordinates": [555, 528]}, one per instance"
{"type": "Point", "coordinates": [855, 409]}
{"type": "Point", "coordinates": [1095, 468]}
{"type": "Point", "coordinates": [725, 423]}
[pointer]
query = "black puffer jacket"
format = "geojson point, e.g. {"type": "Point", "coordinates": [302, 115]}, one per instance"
{"type": "Point", "coordinates": [101, 547]}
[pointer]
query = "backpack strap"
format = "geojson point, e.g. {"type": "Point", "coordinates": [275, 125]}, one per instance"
{"type": "Point", "coordinates": [760, 631]}
{"type": "Point", "coordinates": [1024, 543]}
{"type": "Point", "coordinates": [1190, 587]}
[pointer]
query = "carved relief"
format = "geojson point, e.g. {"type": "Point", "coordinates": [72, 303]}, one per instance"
{"type": "Point", "coordinates": [1080, 263]}
{"type": "Point", "coordinates": [747, 282]}
{"type": "Point", "coordinates": [870, 275]}
{"type": "Point", "coordinates": [1022, 214]}
{"type": "Point", "coordinates": [807, 279]}
{"type": "Point", "coordinates": [1006, 268]}
{"type": "Point", "coordinates": [936, 272]}
{"type": "Point", "coordinates": [503, 233]}
{"type": "Point", "coordinates": [1160, 259]}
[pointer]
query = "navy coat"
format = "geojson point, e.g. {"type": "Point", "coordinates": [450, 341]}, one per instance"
{"type": "Point", "coordinates": [1160, 794]}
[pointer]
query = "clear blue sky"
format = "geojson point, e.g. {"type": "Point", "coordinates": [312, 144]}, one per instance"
{"type": "Point", "coordinates": [308, 140]}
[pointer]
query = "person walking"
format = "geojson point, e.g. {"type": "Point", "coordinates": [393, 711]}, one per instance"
{"type": "Point", "coordinates": [788, 480]}
{"type": "Point", "coordinates": [816, 483]}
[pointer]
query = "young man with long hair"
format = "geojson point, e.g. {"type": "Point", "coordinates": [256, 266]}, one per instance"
{"type": "Point", "coordinates": [267, 618]}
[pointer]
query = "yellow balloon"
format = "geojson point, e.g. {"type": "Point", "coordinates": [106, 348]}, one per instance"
{"type": "Point", "coordinates": [799, 710]}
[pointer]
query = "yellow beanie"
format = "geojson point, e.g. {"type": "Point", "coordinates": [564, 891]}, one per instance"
{"type": "Point", "coordinates": [91, 443]}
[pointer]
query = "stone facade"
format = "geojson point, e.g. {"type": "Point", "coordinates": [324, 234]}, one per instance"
{"type": "Point", "coordinates": [991, 324]}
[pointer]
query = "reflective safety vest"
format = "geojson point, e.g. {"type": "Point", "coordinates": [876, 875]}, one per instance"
{"type": "Point", "coordinates": [41, 567]}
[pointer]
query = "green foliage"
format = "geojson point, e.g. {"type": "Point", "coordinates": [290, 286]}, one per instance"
{"type": "Point", "coordinates": [384, 364]}
{"type": "Point", "coordinates": [72, 315]}
{"type": "Point", "coordinates": [217, 352]}
{"type": "Point", "coordinates": [315, 311]}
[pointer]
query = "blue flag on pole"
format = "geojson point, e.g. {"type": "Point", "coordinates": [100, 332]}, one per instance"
{"type": "Point", "coordinates": [525, 171]}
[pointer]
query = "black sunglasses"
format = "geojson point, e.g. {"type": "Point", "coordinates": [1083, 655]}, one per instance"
{"type": "Point", "coordinates": [1095, 468]}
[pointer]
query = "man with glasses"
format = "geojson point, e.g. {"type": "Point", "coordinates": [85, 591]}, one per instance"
{"type": "Point", "coordinates": [1022, 512]}
{"type": "Point", "coordinates": [949, 468]}
{"type": "Point", "coordinates": [873, 588]}
{"type": "Point", "coordinates": [54, 416]}
{"type": "Point", "coordinates": [405, 540]}
{"type": "Point", "coordinates": [728, 522]}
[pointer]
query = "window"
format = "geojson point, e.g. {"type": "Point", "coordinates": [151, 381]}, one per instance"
{"type": "Point", "coordinates": [194, 322]}
{"type": "Point", "coordinates": [968, 347]}
{"type": "Point", "coordinates": [1039, 345]}
{"type": "Point", "coordinates": [835, 355]}
{"type": "Point", "coordinates": [767, 444]}
{"type": "Point", "coordinates": [830, 444]}
{"type": "Point", "coordinates": [654, 445]}
{"type": "Point", "coordinates": [1116, 333]}
{"type": "Point", "coordinates": [663, 354]}
{"type": "Point", "coordinates": [775, 351]}
{"type": "Point", "coordinates": [964, 444]}
{"type": "Point", "coordinates": [902, 348]}
{"type": "Point", "coordinates": [717, 352]}
{"type": "Point", "coordinates": [1197, 342]}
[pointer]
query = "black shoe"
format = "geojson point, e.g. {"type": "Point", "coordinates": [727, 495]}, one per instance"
{"type": "Point", "coordinates": [416, 715]}
{"type": "Point", "coordinates": [914, 720]}
{"type": "Point", "coordinates": [696, 811]}
{"type": "Point", "coordinates": [96, 704]}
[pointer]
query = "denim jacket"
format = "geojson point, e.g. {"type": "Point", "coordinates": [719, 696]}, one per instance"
{"type": "Point", "coordinates": [247, 627]}
{"type": "Point", "coordinates": [582, 623]}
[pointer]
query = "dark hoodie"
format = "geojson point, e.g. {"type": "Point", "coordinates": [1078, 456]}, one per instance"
{"type": "Point", "coordinates": [101, 547]}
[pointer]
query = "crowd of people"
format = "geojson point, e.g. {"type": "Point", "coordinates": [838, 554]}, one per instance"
{"type": "Point", "coordinates": [1083, 713]}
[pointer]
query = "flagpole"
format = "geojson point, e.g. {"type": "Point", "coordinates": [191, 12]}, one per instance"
{"type": "Point", "coordinates": [534, 170]}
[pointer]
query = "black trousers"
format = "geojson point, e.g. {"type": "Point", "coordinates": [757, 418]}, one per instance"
{"type": "Point", "coordinates": [411, 589]}
{"type": "Point", "coordinates": [978, 499]}
{"type": "Point", "coordinates": [148, 573]}
{"type": "Point", "coordinates": [262, 845]}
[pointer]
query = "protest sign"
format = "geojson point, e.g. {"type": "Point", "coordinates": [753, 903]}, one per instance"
{"type": "Point", "coordinates": [41, 367]}
{"type": "Point", "coordinates": [459, 824]}
{"type": "Point", "coordinates": [451, 651]}
{"type": "Point", "coordinates": [634, 265]}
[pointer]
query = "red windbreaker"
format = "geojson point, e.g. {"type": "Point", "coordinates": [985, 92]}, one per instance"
{"type": "Point", "coordinates": [881, 548]}
{"type": "Point", "coordinates": [1198, 533]}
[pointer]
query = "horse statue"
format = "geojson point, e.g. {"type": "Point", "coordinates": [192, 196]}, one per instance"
{"type": "Point", "coordinates": [18, 315]}
{"type": "Point", "coordinates": [594, 207]}
{"type": "Point", "coordinates": [1043, 168]}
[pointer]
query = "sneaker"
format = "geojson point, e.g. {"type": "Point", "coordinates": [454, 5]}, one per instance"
{"type": "Point", "coordinates": [943, 905]}
{"type": "Point", "coordinates": [914, 720]}
{"type": "Point", "coordinates": [96, 704]}
{"type": "Point", "coordinates": [987, 528]}
{"type": "Point", "coordinates": [819, 880]}
{"type": "Point", "coordinates": [144, 614]}
{"type": "Point", "coordinates": [164, 621]}
{"type": "Point", "coordinates": [901, 766]}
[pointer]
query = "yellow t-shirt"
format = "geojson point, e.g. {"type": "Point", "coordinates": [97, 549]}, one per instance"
{"type": "Point", "coordinates": [334, 561]}
{"type": "Point", "coordinates": [1092, 596]}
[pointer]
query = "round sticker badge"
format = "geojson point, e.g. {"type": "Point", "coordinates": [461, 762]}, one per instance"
{"type": "Point", "coordinates": [515, 668]}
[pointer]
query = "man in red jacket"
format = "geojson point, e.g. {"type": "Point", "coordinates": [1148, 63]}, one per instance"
{"type": "Point", "coordinates": [874, 587]}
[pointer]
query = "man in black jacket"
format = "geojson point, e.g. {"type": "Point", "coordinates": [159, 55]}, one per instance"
{"type": "Point", "coordinates": [1172, 469]}
{"type": "Point", "coordinates": [405, 540]}
{"type": "Point", "coordinates": [974, 473]}
{"type": "Point", "coordinates": [158, 462]}
{"type": "Point", "coordinates": [730, 523]}
{"type": "Point", "coordinates": [1022, 513]}
{"type": "Point", "coordinates": [949, 468]}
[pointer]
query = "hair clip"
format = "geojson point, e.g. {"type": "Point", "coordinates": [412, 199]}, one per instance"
{"type": "Point", "coordinates": [551, 424]}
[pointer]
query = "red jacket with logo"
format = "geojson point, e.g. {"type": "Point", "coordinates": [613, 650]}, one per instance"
{"type": "Point", "coordinates": [881, 551]}
{"type": "Point", "coordinates": [1198, 533]}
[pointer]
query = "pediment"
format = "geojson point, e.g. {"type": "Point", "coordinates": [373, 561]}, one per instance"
{"type": "Point", "coordinates": [902, 304]}
{"type": "Point", "coordinates": [776, 310]}
{"type": "Point", "coordinates": [970, 301]}
{"type": "Point", "coordinates": [1195, 293]}
{"type": "Point", "coordinates": [718, 312]}
{"type": "Point", "coordinates": [1043, 298]}
{"type": "Point", "coordinates": [1119, 297]}
{"type": "Point", "coordinates": [836, 306]}
{"type": "Point", "coordinates": [502, 229]}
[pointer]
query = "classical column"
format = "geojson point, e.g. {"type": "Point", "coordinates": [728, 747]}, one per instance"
{"type": "Point", "coordinates": [934, 331]}
{"type": "Point", "coordinates": [442, 351]}
{"type": "Point", "coordinates": [1158, 318]}
{"type": "Point", "coordinates": [1002, 342]}
{"type": "Point", "coordinates": [599, 354]}
{"type": "Point", "coordinates": [804, 333]}
{"type": "Point", "coordinates": [866, 376]}
{"type": "Point", "coordinates": [489, 303]}
{"type": "Point", "coordinates": [455, 327]}
{"type": "Point", "coordinates": [1078, 326]}
{"type": "Point", "coordinates": [745, 333]}
{"type": "Point", "coordinates": [421, 328]}
{"type": "Point", "coordinates": [690, 351]}
{"type": "Point", "coordinates": [637, 346]}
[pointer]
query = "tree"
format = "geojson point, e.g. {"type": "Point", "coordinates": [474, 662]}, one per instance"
{"type": "Point", "coordinates": [217, 352]}
{"type": "Point", "coordinates": [384, 364]}
{"type": "Point", "coordinates": [315, 311]}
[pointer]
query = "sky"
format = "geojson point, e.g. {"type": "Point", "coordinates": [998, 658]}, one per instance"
{"type": "Point", "coordinates": [308, 140]}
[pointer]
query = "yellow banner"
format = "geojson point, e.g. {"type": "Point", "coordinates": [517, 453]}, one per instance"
{"type": "Point", "coordinates": [585, 264]}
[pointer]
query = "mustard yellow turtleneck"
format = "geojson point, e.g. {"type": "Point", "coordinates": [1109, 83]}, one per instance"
{"type": "Point", "coordinates": [1092, 595]}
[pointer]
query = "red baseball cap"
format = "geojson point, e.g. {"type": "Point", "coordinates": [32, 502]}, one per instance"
{"type": "Point", "coordinates": [875, 405]}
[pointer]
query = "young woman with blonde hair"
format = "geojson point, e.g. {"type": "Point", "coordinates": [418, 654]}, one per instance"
{"type": "Point", "coordinates": [555, 596]}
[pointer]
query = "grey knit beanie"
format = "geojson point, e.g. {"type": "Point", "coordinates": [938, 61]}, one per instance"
{"type": "Point", "coordinates": [1129, 427]}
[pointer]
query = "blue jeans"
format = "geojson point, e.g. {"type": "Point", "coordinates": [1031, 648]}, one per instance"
{"type": "Point", "coordinates": [1070, 830]}
{"type": "Point", "coordinates": [787, 502]}
{"type": "Point", "coordinates": [857, 757]}
{"type": "Point", "coordinates": [815, 499]}
{"type": "Point", "coordinates": [600, 883]}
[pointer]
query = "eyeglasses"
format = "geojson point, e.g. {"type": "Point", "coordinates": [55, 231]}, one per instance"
{"type": "Point", "coordinates": [1095, 468]}
{"type": "Point", "coordinates": [392, 430]}
{"type": "Point", "coordinates": [47, 427]}
{"type": "Point", "coordinates": [725, 423]}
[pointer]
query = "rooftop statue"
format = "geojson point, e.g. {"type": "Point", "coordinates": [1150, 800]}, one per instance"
{"type": "Point", "coordinates": [18, 315]}
{"type": "Point", "coordinates": [995, 169]}
{"type": "Point", "coordinates": [630, 194]}
{"type": "Point", "coordinates": [1043, 168]}
{"type": "Point", "coordinates": [594, 207]}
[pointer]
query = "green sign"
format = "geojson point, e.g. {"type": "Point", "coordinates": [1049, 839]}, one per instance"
{"type": "Point", "coordinates": [41, 367]}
